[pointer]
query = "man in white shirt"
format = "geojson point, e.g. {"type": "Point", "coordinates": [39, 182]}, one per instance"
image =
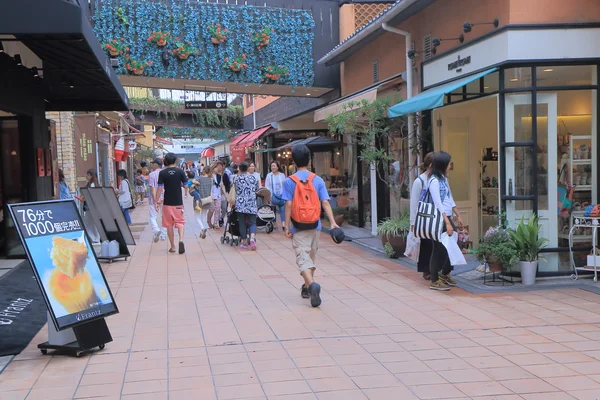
{"type": "Point", "coordinates": [159, 232]}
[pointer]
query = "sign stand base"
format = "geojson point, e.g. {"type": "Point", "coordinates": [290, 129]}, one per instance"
{"type": "Point", "coordinates": [77, 340]}
{"type": "Point", "coordinates": [118, 236]}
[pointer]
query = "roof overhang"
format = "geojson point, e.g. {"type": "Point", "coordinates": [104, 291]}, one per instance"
{"type": "Point", "coordinates": [396, 14]}
{"type": "Point", "coordinates": [77, 74]}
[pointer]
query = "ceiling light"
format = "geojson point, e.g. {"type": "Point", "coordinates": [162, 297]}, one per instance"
{"type": "Point", "coordinates": [308, 94]}
{"type": "Point", "coordinates": [13, 153]}
{"type": "Point", "coordinates": [17, 58]}
{"type": "Point", "coordinates": [514, 80]}
{"type": "Point", "coordinates": [35, 73]}
{"type": "Point", "coordinates": [548, 70]}
{"type": "Point", "coordinates": [1, 48]}
{"type": "Point", "coordinates": [486, 87]}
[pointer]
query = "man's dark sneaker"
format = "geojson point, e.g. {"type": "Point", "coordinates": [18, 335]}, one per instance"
{"type": "Point", "coordinates": [304, 292]}
{"type": "Point", "coordinates": [181, 248]}
{"type": "Point", "coordinates": [315, 291]}
{"type": "Point", "coordinates": [221, 222]}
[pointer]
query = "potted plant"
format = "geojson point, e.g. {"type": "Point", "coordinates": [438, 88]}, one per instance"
{"type": "Point", "coordinates": [262, 37]}
{"type": "Point", "coordinates": [273, 73]}
{"type": "Point", "coordinates": [116, 47]}
{"type": "Point", "coordinates": [137, 67]}
{"type": "Point", "coordinates": [218, 34]}
{"type": "Point", "coordinates": [184, 50]}
{"type": "Point", "coordinates": [527, 243]}
{"type": "Point", "coordinates": [496, 249]}
{"type": "Point", "coordinates": [340, 215]}
{"type": "Point", "coordinates": [236, 64]}
{"type": "Point", "coordinates": [389, 251]}
{"type": "Point", "coordinates": [393, 231]}
{"type": "Point", "coordinates": [160, 38]}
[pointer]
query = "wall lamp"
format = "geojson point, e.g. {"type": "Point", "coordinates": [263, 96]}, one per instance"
{"type": "Point", "coordinates": [467, 25]}
{"type": "Point", "coordinates": [412, 54]}
{"type": "Point", "coordinates": [436, 41]}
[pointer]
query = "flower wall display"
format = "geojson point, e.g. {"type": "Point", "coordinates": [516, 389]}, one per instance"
{"type": "Point", "coordinates": [285, 40]}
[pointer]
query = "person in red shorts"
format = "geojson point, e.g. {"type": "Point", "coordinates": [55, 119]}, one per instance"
{"type": "Point", "coordinates": [170, 180]}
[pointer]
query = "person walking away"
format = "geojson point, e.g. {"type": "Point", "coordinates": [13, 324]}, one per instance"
{"type": "Point", "coordinates": [217, 194]}
{"type": "Point", "coordinates": [160, 233]}
{"type": "Point", "coordinates": [170, 181]}
{"type": "Point", "coordinates": [140, 187]}
{"type": "Point", "coordinates": [88, 222]}
{"type": "Point", "coordinates": [305, 193]}
{"type": "Point", "coordinates": [192, 188]}
{"type": "Point", "coordinates": [246, 187]}
{"type": "Point", "coordinates": [124, 193]}
{"type": "Point", "coordinates": [441, 195]}
{"type": "Point", "coordinates": [274, 182]}
{"type": "Point", "coordinates": [205, 184]}
{"type": "Point", "coordinates": [415, 194]}
{"type": "Point", "coordinates": [252, 171]}
{"type": "Point", "coordinates": [63, 189]}
{"type": "Point", "coordinates": [228, 176]}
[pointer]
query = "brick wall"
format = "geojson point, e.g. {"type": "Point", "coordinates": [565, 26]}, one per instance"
{"type": "Point", "coordinates": [65, 144]}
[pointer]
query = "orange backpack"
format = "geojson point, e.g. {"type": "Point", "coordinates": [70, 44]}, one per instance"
{"type": "Point", "coordinates": [306, 206]}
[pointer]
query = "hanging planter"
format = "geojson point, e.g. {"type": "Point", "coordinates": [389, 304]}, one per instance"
{"type": "Point", "coordinates": [236, 64]}
{"type": "Point", "coordinates": [274, 73]}
{"type": "Point", "coordinates": [262, 37]}
{"type": "Point", "coordinates": [137, 67]}
{"type": "Point", "coordinates": [116, 47]}
{"type": "Point", "coordinates": [160, 38]}
{"type": "Point", "coordinates": [185, 50]}
{"type": "Point", "coordinates": [218, 34]}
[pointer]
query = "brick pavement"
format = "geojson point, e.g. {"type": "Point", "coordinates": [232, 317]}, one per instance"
{"type": "Point", "coordinates": [218, 323]}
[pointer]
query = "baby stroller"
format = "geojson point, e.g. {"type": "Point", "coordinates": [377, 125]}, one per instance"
{"type": "Point", "coordinates": [265, 215]}
{"type": "Point", "coordinates": [232, 227]}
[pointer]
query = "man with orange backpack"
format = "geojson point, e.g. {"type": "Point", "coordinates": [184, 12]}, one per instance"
{"type": "Point", "coordinates": [304, 194]}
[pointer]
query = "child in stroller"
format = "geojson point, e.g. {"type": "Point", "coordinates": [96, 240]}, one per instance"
{"type": "Point", "coordinates": [265, 216]}
{"type": "Point", "coordinates": [231, 233]}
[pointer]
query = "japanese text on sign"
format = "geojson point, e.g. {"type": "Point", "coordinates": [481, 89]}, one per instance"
{"type": "Point", "coordinates": [85, 145]}
{"type": "Point", "coordinates": [40, 222]}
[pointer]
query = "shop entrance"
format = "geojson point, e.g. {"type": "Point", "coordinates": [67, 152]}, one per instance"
{"type": "Point", "coordinates": [469, 132]}
{"type": "Point", "coordinates": [11, 185]}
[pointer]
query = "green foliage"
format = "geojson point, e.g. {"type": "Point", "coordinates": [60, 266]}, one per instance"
{"type": "Point", "coordinates": [394, 227]}
{"type": "Point", "coordinates": [121, 16]}
{"type": "Point", "coordinates": [496, 247]}
{"type": "Point", "coordinates": [526, 239]}
{"type": "Point", "coordinates": [367, 124]}
{"type": "Point", "coordinates": [389, 251]}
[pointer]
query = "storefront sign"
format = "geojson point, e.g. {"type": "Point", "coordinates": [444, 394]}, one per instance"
{"type": "Point", "coordinates": [183, 136]}
{"type": "Point", "coordinates": [63, 261]}
{"type": "Point", "coordinates": [205, 105]}
{"type": "Point", "coordinates": [459, 63]}
{"type": "Point", "coordinates": [85, 145]}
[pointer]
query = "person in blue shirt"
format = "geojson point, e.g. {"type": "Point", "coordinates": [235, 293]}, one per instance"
{"type": "Point", "coordinates": [63, 188]}
{"type": "Point", "coordinates": [306, 242]}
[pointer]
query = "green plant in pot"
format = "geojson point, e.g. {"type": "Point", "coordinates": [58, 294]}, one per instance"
{"type": "Point", "coordinates": [526, 241]}
{"type": "Point", "coordinates": [340, 214]}
{"type": "Point", "coordinates": [393, 231]}
{"type": "Point", "coordinates": [496, 249]}
{"type": "Point", "coordinates": [389, 251]}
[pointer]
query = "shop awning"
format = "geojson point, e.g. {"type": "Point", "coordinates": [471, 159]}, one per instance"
{"type": "Point", "coordinates": [337, 107]}
{"type": "Point", "coordinates": [208, 152]}
{"type": "Point", "coordinates": [77, 74]}
{"type": "Point", "coordinates": [239, 138]}
{"type": "Point", "coordinates": [316, 144]}
{"type": "Point", "coordinates": [432, 98]}
{"type": "Point", "coordinates": [250, 138]}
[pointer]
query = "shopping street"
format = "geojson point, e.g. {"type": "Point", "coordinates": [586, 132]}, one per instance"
{"type": "Point", "coordinates": [217, 323]}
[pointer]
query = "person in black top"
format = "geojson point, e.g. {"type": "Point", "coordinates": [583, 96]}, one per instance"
{"type": "Point", "coordinates": [170, 180]}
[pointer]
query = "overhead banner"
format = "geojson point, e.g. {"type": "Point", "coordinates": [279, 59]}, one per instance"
{"type": "Point", "coordinates": [85, 146]}
{"type": "Point", "coordinates": [64, 262]}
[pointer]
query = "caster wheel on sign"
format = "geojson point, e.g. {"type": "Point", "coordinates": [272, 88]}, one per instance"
{"type": "Point", "coordinates": [101, 347]}
{"type": "Point", "coordinates": [78, 354]}
{"type": "Point", "coordinates": [595, 279]}
{"type": "Point", "coordinates": [222, 240]}
{"type": "Point", "coordinates": [573, 277]}
{"type": "Point", "coordinates": [44, 351]}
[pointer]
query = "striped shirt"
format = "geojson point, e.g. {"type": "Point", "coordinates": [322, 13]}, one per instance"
{"type": "Point", "coordinates": [153, 182]}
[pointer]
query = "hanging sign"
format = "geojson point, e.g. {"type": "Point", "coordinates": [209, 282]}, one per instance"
{"type": "Point", "coordinates": [63, 261]}
{"type": "Point", "coordinates": [205, 105]}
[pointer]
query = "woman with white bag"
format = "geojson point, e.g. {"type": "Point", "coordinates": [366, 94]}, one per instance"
{"type": "Point", "coordinates": [439, 265]}
{"type": "Point", "coordinates": [426, 245]}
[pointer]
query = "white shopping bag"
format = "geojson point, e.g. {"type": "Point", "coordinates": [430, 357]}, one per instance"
{"type": "Point", "coordinates": [413, 246]}
{"type": "Point", "coordinates": [451, 244]}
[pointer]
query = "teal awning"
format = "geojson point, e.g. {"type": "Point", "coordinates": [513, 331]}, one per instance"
{"type": "Point", "coordinates": [432, 98]}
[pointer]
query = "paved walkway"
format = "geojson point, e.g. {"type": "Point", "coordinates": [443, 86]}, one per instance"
{"type": "Point", "coordinates": [217, 323]}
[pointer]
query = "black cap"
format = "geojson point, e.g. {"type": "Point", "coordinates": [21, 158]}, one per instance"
{"type": "Point", "coordinates": [157, 161]}
{"type": "Point", "coordinates": [337, 234]}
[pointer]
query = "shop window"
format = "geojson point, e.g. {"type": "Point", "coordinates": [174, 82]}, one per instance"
{"type": "Point", "coordinates": [515, 78]}
{"type": "Point", "coordinates": [491, 83]}
{"type": "Point", "coordinates": [457, 143]}
{"type": "Point", "coordinates": [577, 75]}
